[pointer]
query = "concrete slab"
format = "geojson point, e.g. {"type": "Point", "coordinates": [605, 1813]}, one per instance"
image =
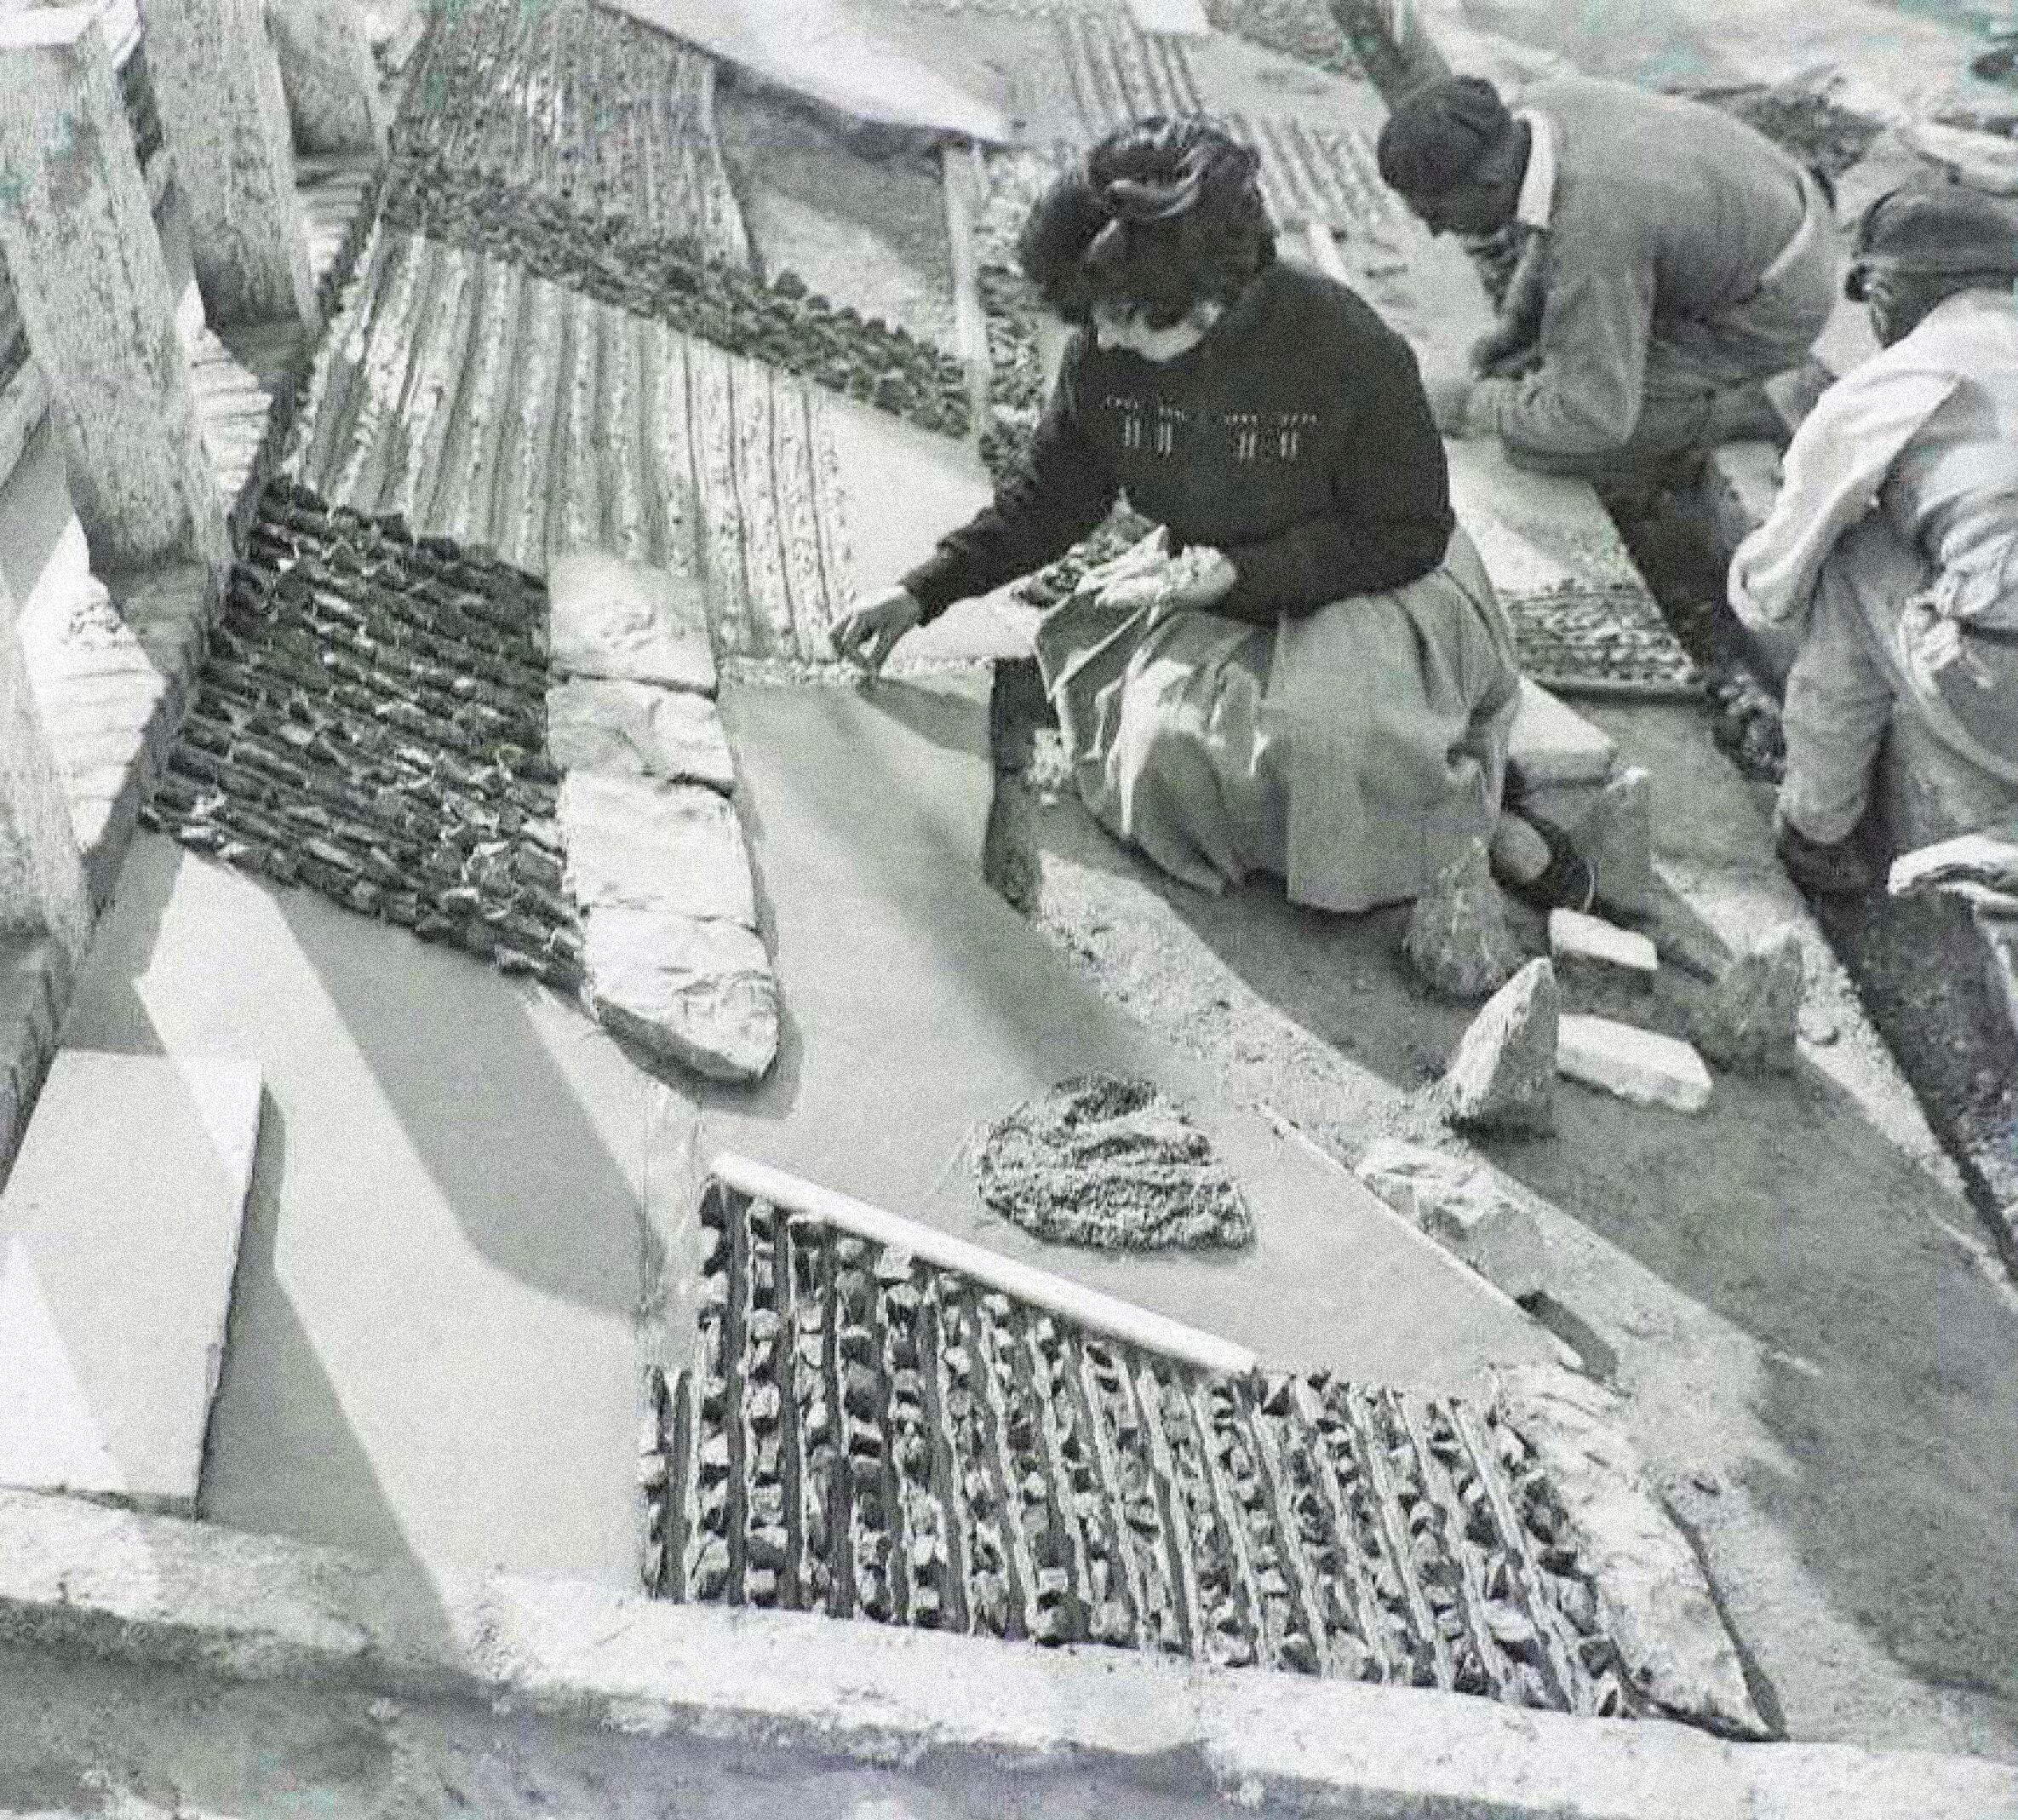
{"type": "Point", "coordinates": [119, 1242]}
{"type": "Point", "coordinates": [431, 1350]}
{"type": "Point", "coordinates": [1552, 743]}
{"type": "Point", "coordinates": [920, 1006]}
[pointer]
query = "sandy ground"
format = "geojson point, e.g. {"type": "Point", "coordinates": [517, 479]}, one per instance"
{"type": "Point", "coordinates": [96, 1738]}
{"type": "Point", "coordinates": [1814, 1351]}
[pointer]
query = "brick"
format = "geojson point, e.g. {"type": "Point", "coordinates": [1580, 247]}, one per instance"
{"type": "Point", "coordinates": [1636, 1064]}
{"type": "Point", "coordinates": [120, 1227]}
{"type": "Point", "coordinates": [1578, 941]}
{"type": "Point", "coordinates": [1460, 1204]}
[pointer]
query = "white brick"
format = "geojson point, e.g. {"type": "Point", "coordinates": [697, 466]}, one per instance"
{"type": "Point", "coordinates": [1635, 1065]}
{"type": "Point", "coordinates": [1577, 940]}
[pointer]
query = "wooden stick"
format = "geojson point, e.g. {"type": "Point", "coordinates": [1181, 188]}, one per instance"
{"type": "Point", "coordinates": [1105, 1314]}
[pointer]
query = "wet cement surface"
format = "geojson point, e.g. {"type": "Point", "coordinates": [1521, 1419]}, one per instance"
{"type": "Point", "coordinates": [919, 1007]}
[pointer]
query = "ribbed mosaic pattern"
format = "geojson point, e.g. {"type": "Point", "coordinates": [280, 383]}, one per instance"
{"type": "Point", "coordinates": [864, 1436]}
{"type": "Point", "coordinates": [484, 405]}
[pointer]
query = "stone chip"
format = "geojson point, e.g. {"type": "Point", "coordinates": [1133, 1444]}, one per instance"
{"type": "Point", "coordinates": [1457, 938]}
{"type": "Point", "coordinates": [1461, 1204]}
{"type": "Point", "coordinates": [1749, 1022]}
{"type": "Point", "coordinates": [1503, 1076]}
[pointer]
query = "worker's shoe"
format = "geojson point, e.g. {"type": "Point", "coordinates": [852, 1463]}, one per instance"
{"type": "Point", "coordinates": [1569, 881]}
{"type": "Point", "coordinates": [1830, 869]}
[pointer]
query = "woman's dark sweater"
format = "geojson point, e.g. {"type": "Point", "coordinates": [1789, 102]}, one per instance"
{"type": "Point", "coordinates": [1295, 436]}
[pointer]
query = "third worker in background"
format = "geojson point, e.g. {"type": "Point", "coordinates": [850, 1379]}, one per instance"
{"type": "Point", "coordinates": [1669, 260]}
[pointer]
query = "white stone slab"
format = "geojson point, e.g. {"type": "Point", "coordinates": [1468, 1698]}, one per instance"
{"type": "Point", "coordinates": [1553, 743]}
{"type": "Point", "coordinates": [675, 847]}
{"type": "Point", "coordinates": [638, 729]}
{"type": "Point", "coordinates": [119, 1242]}
{"type": "Point", "coordinates": [1636, 1064]}
{"type": "Point", "coordinates": [627, 621]}
{"type": "Point", "coordinates": [1576, 939]}
{"type": "Point", "coordinates": [700, 991]}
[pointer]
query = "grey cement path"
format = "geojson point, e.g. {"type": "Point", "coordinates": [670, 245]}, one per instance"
{"type": "Point", "coordinates": [919, 1007]}
{"type": "Point", "coordinates": [1815, 1350]}
{"type": "Point", "coordinates": [431, 1354]}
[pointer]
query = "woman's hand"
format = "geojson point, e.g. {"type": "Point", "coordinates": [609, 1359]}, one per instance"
{"type": "Point", "coordinates": [1195, 580]}
{"type": "Point", "coordinates": [869, 634]}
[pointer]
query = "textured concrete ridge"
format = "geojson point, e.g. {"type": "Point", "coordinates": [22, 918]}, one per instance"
{"type": "Point", "coordinates": [159, 1589]}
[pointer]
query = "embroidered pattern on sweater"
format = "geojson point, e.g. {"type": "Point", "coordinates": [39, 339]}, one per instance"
{"type": "Point", "coordinates": [1276, 435]}
{"type": "Point", "coordinates": [1147, 426]}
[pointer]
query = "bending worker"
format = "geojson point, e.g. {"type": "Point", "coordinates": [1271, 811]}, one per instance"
{"type": "Point", "coordinates": [1893, 546]}
{"type": "Point", "coordinates": [1671, 259]}
{"type": "Point", "coordinates": [1325, 689]}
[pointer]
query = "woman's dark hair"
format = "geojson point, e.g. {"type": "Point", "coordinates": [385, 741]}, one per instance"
{"type": "Point", "coordinates": [1162, 214]}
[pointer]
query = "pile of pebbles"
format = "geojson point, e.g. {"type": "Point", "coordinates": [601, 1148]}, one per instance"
{"type": "Point", "coordinates": [370, 721]}
{"type": "Point", "coordinates": [864, 1436]}
{"type": "Point", "coordinates": [1112, 1163]}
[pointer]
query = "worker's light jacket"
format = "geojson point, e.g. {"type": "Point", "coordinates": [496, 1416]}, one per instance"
{"type": "Point", "coordinates": [1659, 210]}
{"type": "Point", "coordinates": [1926, 431]}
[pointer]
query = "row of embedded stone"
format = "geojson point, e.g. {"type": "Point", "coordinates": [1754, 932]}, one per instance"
{"type": "Point", "coordinates": [376, 719]}
{"type": "Point", "coordinates": [656, 855]}
{"type": "Point", "coordinates": [575, 103]}
{"type": "Point", "coordinates": [651, 264]}
{"type": "Point", "coordinates": [650, 274]}
{"type": "Point", "coordinates": [368, 721]}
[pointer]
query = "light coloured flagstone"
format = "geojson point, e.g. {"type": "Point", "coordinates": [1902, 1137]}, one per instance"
{"type": "Point", "coordinates": [638, 729]}
{"type": "Point", "coordinates": [1658, 1606]}
{"type": "Point", "coordinates": [1459, 1202]}
{"type": "Point", "coordinates": [697, 990]}
{"type": "Point", "coordinates": [644, 844]}
{"type": "Point", "coordinates": [624, 621]}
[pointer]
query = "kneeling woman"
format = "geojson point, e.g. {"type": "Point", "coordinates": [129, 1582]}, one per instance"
{"type": "Point", "coordinates": [1327, 696]}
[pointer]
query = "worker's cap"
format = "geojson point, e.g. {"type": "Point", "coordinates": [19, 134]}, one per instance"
{"type": "Point", "coordinates": [1435, 139]}
{"type": "Point", "coordinates": [1940, 229]}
